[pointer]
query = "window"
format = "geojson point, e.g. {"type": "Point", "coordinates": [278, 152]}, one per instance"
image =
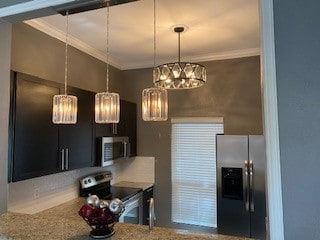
{"type": "Point", "coordinates": [193, 175]}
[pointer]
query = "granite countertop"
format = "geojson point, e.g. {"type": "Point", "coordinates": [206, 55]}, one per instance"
{"type": "Point", "coordinates": [63, 222]}
{"type": "Point", "coordinates": [143, 185]}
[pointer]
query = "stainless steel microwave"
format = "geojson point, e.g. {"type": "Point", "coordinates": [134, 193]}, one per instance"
{"type": "Point", "coordinates": [113, 148]}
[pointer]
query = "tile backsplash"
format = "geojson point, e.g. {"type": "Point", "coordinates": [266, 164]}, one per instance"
{"type": "Point", "coordinates": [37, 194]}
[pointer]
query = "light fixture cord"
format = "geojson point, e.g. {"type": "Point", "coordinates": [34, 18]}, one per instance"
{"type": "Point", "coordinates": [107, 36]}
{"type": "Point", "coordinates": [179, 46]}
{"type": "Point", "coordinates": [66, 54]}
{"type": "Point", "coordinates": [154, 35]}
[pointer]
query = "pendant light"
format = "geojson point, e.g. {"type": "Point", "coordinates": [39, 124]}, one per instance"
{"type": "Point", "coordinates": [107, 105]}
{"type": "Point", "coordinates": [179, 75]}
{"type": "Point", "coordinates": [65, 106]}
{"type": "Point", "coordinates": [154, 100]}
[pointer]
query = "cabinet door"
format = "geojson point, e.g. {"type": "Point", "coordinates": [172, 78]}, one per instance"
{"type": "Point", "coordinates": [77, 139]}
{"type": "Point", "coordinates": [128, 124]}
{"type": "Point", "coordinates": [35, 144]}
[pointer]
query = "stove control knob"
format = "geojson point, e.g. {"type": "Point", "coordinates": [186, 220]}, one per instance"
{"type": "Point", "coordinates": [85, 181]}
{"type": "Point", "coordinates": [89, 180]}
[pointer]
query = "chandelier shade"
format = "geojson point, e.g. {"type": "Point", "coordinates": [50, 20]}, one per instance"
{"type": "Point", "coordinates": [64, 109]}
{"type": "Point", "coordinates": [179, 75]}
{"type": "Point", "coordinates": [154, 104]}
{"type": "Point", "coordinates": [107, 107]}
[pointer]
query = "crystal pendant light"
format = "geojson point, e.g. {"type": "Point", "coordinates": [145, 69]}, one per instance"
{"type": "Point", "coordinates": [154, 100]}
{"type": "Point", "coordinates": [179, 75]}
{"type": "Point", "coordinates": [107, 105]}
{"type": "Point", "coordinates": [65, 106]}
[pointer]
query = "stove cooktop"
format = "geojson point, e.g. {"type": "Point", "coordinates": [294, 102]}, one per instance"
{"type": "Point", "coordinates": [123, 193]}
{"type": "Point", "coordinates": [109, 193]}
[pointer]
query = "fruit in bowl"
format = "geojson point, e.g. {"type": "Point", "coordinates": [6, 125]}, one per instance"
{"type": "Point", "coordinates": [87, 211]}
{"type": "Point", "coordinates": [100, 215]}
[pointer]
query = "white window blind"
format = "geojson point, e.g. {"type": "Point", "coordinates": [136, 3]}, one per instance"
{"type": "Point", "coordinates": [193, 172]}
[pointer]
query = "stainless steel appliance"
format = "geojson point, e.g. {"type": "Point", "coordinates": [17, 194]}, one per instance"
{"type": "Point", "coordinates": [241, 164]}
{"type": "Point", "coordinates": [111, 148]}
{"type": "Point", "coordinates": [99, 184]}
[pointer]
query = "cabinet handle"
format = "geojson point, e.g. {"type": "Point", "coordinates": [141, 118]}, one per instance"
{"type": "Point", "coordinates": [67, 158]}
{"type": "Point", "coordinates": [247, 187]}
{"type": "Point", "coordinates": [62, 159]}
{"type": "Point", "coordinates": [115, 128]}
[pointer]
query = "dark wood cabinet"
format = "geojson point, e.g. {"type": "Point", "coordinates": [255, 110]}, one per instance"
{"type": "Point", "coordinates": [77, 140]}
{"type": "Point", "coordinates": [37, 143]}
{"type": "Point", "coordinates": [38, 147]}
{"type": "Point", "coordinates": [36, 138]}
{"type": "Point", "coordinates": [128, 124]}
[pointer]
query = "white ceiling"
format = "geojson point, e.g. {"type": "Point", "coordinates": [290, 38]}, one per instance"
{"type": "Point", "coordinates": [217, 29]}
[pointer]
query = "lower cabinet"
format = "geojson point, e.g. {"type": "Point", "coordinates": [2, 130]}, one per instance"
{"type": "Point", "coordinates": [39, 147]}
{"type": "Point", "coordinates": [147, 194]}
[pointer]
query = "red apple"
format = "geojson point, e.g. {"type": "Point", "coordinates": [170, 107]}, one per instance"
{"type": "Point", "coordinates": [105, 216]}
{"type": "Point", "coordinates": [86, 211]}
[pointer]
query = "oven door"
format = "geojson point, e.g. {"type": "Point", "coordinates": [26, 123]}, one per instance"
{"type": "Point", "coordinates": [133, 210]}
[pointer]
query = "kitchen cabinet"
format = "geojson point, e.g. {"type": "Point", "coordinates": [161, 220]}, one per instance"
{"type": "Point", "coordinates": [147, 194]}
{"type": "Point", "coordinates": [37, 144]}
{"type": "Point", "coordinates": [127, 125]}
{"type": "Point", "coordinates": [76, 140]}
{"type": "Point", "coordinates": [35, 137]}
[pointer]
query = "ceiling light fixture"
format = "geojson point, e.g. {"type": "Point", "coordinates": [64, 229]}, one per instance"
{"type": "Point", "coordinates": [179, 75]}
{"type": "Point", "coordinates": [107, 105]}
{"type": "Point", "coordinates": [65, 106]}
{"type": "Point", "coordinates": [154, 100]}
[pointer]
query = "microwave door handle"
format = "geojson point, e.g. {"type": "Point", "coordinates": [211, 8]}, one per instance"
{"type": "Point", "coordinates": [251, 185]}
{"type": "Point", "coordinates": [247, 193]}
{"type": "Point", "coordinates": [125, 149]}
{"type": "Point", "coordinates": [62, 160]}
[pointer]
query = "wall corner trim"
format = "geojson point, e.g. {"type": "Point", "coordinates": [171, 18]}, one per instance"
{"type": "Point", "coordinates": [270, 119]}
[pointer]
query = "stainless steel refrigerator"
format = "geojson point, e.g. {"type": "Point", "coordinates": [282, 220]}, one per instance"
{"type": "Point", "coordinates": [241, 165]}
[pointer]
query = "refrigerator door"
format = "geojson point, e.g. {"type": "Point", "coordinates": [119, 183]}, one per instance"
{"type": "Point", "coordinates": [257, 156]}
{"type": "Point", "coordinates": [233, 217]}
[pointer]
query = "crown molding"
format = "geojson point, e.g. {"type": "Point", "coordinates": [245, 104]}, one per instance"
{"type": "Point", "coordinates": [75, 42]}
{"type": "Point", "coordinates": [30, 6]}
{"type": "Point", "coordinates": [199, 58]}
{"type": "Point", "coordinates": [72, 41]}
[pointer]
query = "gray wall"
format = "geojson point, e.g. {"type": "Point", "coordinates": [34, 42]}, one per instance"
{"type": "Point", "coordinates": [5, 49]}
{"type": "Point", "coordinates": [40, 55]}
{"type": "Point", "coordinates": [232, 91]}
{"type": "Point", "coordinates": [297, 42]}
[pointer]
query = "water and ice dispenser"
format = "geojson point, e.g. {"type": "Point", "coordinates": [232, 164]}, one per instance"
{"type": "Point", "coordinates": [232, 183]}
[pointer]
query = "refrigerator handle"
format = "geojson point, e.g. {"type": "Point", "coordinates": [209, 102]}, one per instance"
{"type": "Point", "coordinates": [251, 185]}
{"type": "Point", "coordinates": [247, 194]}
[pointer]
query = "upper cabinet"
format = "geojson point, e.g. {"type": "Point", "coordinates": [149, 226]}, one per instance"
{"type": "Point", "coordinates": [35, 138]}
{"type": "Point", "coordinates": [76, 140]}
{"type": "Point", "coordinates": [39, 147]}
